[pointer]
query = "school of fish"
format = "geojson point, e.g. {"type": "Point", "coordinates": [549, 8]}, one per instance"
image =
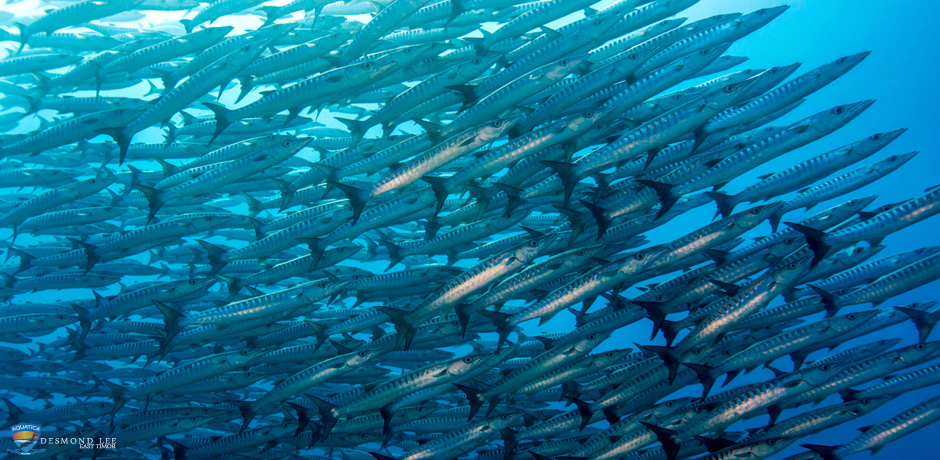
{"type": "Point", "coordinates": [247, 282]}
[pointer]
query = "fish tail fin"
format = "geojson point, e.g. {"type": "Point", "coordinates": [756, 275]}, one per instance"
{"type": "Point", "coordinates": [464, 311]}
{"type": "Point", "coordinates": [510, 441]}
{"type": "Point", "coordinates": [826, 452]}
{"type": "Point", "coordinates": [571, 388]}
{"type": "Point", "coordinates": [14, 413]}
{"type": "Point", "coordinates": [566, 172]}
{"type": "Point", "coordinates": [670, 331]}
{"type": "Point", "coordinates": [725, 202]}
{"type": "Point", "coordinates": [583, 408]}
{"type": "Point", "coordinates": [665, 192]}
{"type": "Point", "coordinates": [704, 374]}
{"type": "Point", "coordinates": [256, 224]}
{"type": "Point", "coordinates": [271, 14]}
{"type": "Point", "coordinates": [92, 254]}
{"type": "Point", "coordinates": [816, 239]}
{"type": "Point", "coordinates": [120, 137]}
{"type": "Point", "coordinates": [326, 411]}
{"type": "Point", "coordinates": [84, 321]}
{"type": "Point", "coordinates": [849, 394]}
{"type": "Point", "coordinates": [664, 353]}
{"type": "Point", "coordinates": [118, 395]}
{"type": "Point", "coordinates": [829, 300]}
{"type": "Point", "coordinates": [246, 83]}
{"type": "Point", "coordinates": [456, 9]}
{"type": "Point", "coordinates": [26, 260]}
{"type": "Point", "coordinates": [775, 218]}
{"type": "Point", "coordinates": [222, 120]}
{"type": "Point", "coordinates": [439, 187]}
{"type": "Point", "coordinates": [474, 399]}
{"type": "Point", "coordinates": [215, 254]}
{"type": "Point", "coordinates": [600, 217]}
{"type": "Point", "coordinates": [254, 205]}
{"type": "Point", "coordinates": [394, 253]}
{"type": "Point", "coordinates": [924, 322]}
{"type": "Point", "coordinates": [355, 196]}
{"type": "Point", "coordinates": [655, 314]}
{"type": "Point", "coordinates": [667, 437]}
{"type": "Point", "coordinates": [248, 414]}
{"type": "Point", "coordinates": [357, 129]}
{"type": "Point", "coordinates": [171, 318]}
{"type": "Point", "coordinates": [514, 194]}
{"type": "Point", "coordinates": [153, 198]}
{"type": "Point", "coordinates": [575, 221]}
{"type": "Point", "coordinates": [402, 326]}
{"type": "Point", "coordinates": [501, 321]}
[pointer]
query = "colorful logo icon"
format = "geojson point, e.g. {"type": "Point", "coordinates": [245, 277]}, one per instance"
{"type": "Point", "coordinates": [26, 437]}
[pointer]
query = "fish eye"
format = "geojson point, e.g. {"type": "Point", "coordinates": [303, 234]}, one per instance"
{"type": "Point", "coordinates": [367, 66]}
{"type": "Point", "coordinates": [592, 336]}
{"type": "Point", "coordinates": [497, 124]}
{"type": "Point", "coordinates": [892, 158]}
{"type": "Point", "coordinates": [194, 418]}
{"type": "Point", "coordinates": [208, 218]}
{"type": "Point", "coordinates": [697, 351]}
{"type": "Point", "coordinates": [851, 316]}
{"type": "Point", "coordinates": [505, 417]}
{"type": "Point", "coordinates": [246, 48]}
{"type": "Point", "coordinates": [660, 297]}
{"type": "Point", "coordinates": [756, 210]}
{"type": "Point", "coordinates": [588, 114]}
{"type": "Point", "coordinates": [564, 62]}
{"type": "Point", "coordinates": [841, 60]}
{"type": "Point", "coordinates": [581, 252]}
{"type": "Point", "coordinates": [468, 360]}
{"type": "Point", "coordinates": [477, 61]}
{"type": "Point", "coordinates": [323, 284]}
{"type": "Point", "coordinates": [362, 354]}
{"type": "Point", "coordinates": [792, 266]}
{"type": "Point", "coordinates": [859, 250]}
{"type": "Point", "coordinates": [107, 208]}
{"type": "Point", "coordinates": [534, 243]}
{"type": "Point", "coordinates": [740, 146]}
{"type": "Point", "coordinates": [853, 201]}
{"type": "Point", "coordinates": [825, 367]}
{"type": "Point", "coordinates": [92, 181]}
{"type": "Point", "coordinates": [875, 137]}
{"type": "Point", "coordinates": [919, 346]}
{"type": "Point", "coordinates": [729, 89]}
{"type": "Point", "coordinates": [771, 442]}
{"type": "Point", "coordinates": [726, 352]}
{"type": "Point", "coordinates": [788, 241]}
{"type": "Point", "coordinates": [120, 111]}
{"type": "Point", "coordinates": [639, 256]}
{"type": "Point", "coordinates": [632, 56]}
{"type": "Point", "coordinates": [244, 352]}
{"type": "Point", "coordinates": [286, 143]}
{"type": "Point", "coordinates": [838, 110]}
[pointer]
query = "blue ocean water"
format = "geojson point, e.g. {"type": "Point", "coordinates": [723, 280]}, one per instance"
{"type": "Point", "coordinates": [900, 75]}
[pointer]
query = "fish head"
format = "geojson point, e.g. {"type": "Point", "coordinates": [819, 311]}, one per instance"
{"type": "Point", "coordinates": [495, 129]}
{"type": "Point", "coordinates": [666, 408]}
{"type": "Point", "coordinates": [850, 321]}
{"type": "Point", "coordinates": [193, 421]}
{"type": "Point", "coordinates": [90, 186]}
{"type": "Point", "coordinates": [793, 269]}
{"type": "Point", "coordinates": [860, 253]}
{"type": "Point", "coordinates": [840, 66]}
{"type": "Point", "coordinates": [461, 366]}
{"type": "Point", "coordinates": [872, 144]}
{"type": "Point", "coordinates": [753, 217]}
{"type": "Point", "coordinates": [880, 346]}
{"type": "Point", "coordinates": [503, 420]}
{"type": "Point", "coordinates": [247, 377]}
{"type": "Point", "coordinates": [577, 256]}
{"type": "Point", "coordinates": [586, 344]}
{"type": "Point", "coordinates": [472, 68]}
{"type": "Point", "coordinates": [530, 249]}
{"type": "Point", "coordinates": [639, 261]}
{"type": "Point", "coordinates": [282, 429]}
{"type": "Point", "coordinates": [564, 66]}
{"type": "Point", "coordinates": [610, 357]}
{"type": "Point", "coordinates": [893, 162]}
{"type": "Point", "coordinates": [631, 61]}
{"type": "Point", "coordinates": [702, 58]}
{"type": "Point", "coordinates": [775, 75]}
{"type": "Point", "coordinates": [766, 448]}
{"type": "Point", "coordinates": [786, 246]}
{"type": "Point", "coordinates": [363, 356]}
{"type": "Point", "coordinates": [183, 288]}
{"type": "Point", "coordinates": [841, 212]}
{"type": "Point", "coordinates": [761, 17]}
{"type": "Point", "coordinates": [121, 116]}
{"type": "Point", "coordinates": [919, 253]}
{"type": "Point", "coordinates": [866, 405]}
{"type": "Point", "coordinates": [241, 358]}
{"type": "Point", "coordinates": [920, 352]}
{"type": "Point", "coordinates": [167, 5]}
{"type": "Point", "coordinates": [838, 116]}
{"type": "Point", "coordinates": [817, 375]}
{"type": "Point", "coordinates": [587, 119]}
